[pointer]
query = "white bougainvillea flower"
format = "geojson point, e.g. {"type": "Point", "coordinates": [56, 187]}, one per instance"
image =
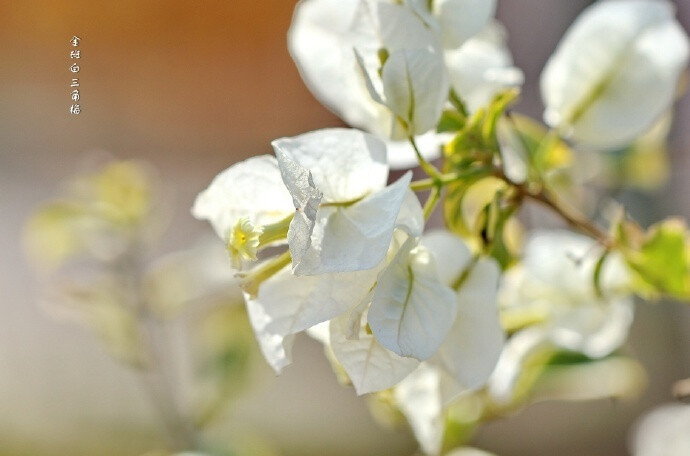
{"type": "Point", "coordinates": [287, 304]}
{"type": "Point", "coordinates": [662, 432]}
{"type": "Point", "coordinates": [615, 71]}
{"type": "Point", "coordinates": [352, 226]}
{"type": "Point", "coordinates": [554, 286]}
{"type": "Point", "coordinates": [482, 67]}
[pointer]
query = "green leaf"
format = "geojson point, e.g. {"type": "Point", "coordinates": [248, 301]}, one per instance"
{"type": "Point", "coordinates": [462, 212]}
{"type": "Point", "coordinates": [494, 112]}
{"type": "Point", "coordinates": [546, 151]}
{"type": "Point", "coordinates": [662, 258]}
{"type": "Point", "coordinates": [451, 121]}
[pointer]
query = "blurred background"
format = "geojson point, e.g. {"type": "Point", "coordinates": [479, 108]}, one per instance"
{"type": "Point", "coordinates": [193, 87]}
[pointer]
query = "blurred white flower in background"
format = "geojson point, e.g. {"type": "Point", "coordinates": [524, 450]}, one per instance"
{"type": "Point", "coordinates": [615, 72]}
{"type": "Point", "coordinates": [409, 57]}
{"type": "Point", "coordinates": [553, 292]}
{"type": "Point", "coordinates": [665, 431]}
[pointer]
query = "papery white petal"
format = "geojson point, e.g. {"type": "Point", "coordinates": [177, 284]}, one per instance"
{"type": "Point", "coordinates": [412, 311]}
{"type": "Point", "coordinates": [370, 366]}
{"type": "Point", "coordinates": [474, 343]}
{"type": "Point", "coordinates": [355, 237]}
{"type": "Point", "coordinates": [415, 86]}
{"type": "Point", "coordinates": [252, 188]}
{"type": "Point", "coordinates": [615, 71]}
{"type": "Point", "coordinates": [482, 67]}
{"type": "Point", "coordinates": [462, 19]}
{"type": "Point", "coordinates": [292, 304]}
{"type": "Point", "coordinates": [451, 254]}
{"type": "Point", "coordinates": [346, 164]}
{"type": "Point", "coordinates": [277, 349]}
{"type": "Point", "coordinates": [419, 399]}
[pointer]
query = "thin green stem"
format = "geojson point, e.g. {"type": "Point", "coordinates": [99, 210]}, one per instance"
{"type": "Point", "coordinates": [432, 201]}
{"type": "Point", "coordinates": [428, 168]}
{"type": "Point", "coordinates": [568, 213]}
{"type": "Point", "coordinates": [445, 179]}
{"type": "Point", "coordinates": [252, 279]}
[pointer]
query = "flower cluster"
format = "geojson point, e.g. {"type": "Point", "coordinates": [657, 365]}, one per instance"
{"type": "Point", "coordinates": [324, 244]}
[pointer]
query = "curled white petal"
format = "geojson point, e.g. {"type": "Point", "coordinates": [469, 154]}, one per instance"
{"type": "Point", "coordinates": [355, 237]}
{"type": "Point", "coordinates": [306, 198]}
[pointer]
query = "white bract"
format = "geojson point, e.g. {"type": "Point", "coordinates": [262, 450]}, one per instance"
{"type": "Point", "coordinates": [384, 66]}
{"type": "Point", "coordinates": [615, 71]}
{"type": "Point", "coordinates": [345, 213]}
{"type": "Point", "coordinates": [554, 287]}
{"type": "Point", "coordinates": [411, 310]}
